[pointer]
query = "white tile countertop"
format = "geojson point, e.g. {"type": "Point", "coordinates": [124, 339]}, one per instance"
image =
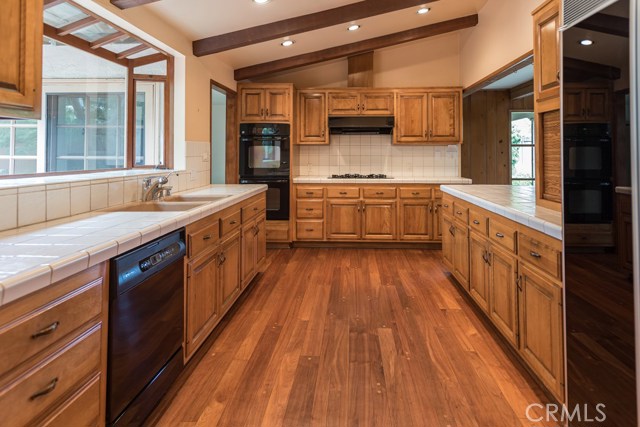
{"type": "Point", "coordinates": [518, 203]}
{"type": "Point", "coordinates": [413, 180]}
{"type": "Point", "coordinates": [35, 256]}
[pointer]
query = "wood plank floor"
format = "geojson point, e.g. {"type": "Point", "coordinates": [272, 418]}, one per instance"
{"type": "Point", "coordinates": [346, 337]}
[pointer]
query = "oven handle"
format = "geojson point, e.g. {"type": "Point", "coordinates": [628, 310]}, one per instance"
{"type": "Point", "coordinates": [266, 181]}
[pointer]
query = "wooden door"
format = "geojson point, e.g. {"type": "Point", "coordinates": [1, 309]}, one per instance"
{"type": "Point", "coordinates": [597, 105]}
{"type": "Point", "coordinates": [343, 219]}
{"type": "Point", "coordinates": [343, 103]}
{"type": "Point", "coordinates": [479, 271]}
{"type": "Point", "coordinates": [261, 240]}
{"type": "Point", "coordinates": [252, 105]}
{"type": "Point", "coordinates": [503, 292]}
{"type": "Point", "coordinates": [379, 220]}
{"type": "Point", "coordinates": [546, 52]}
{"type": "Point", "coordinates": [548, 155]}
{"type": "Point", "coordinates": [444, 117]}
{"type": "Point", "coordinates": [376, 103]}
{"type": "Point", "coordinates": [448, 242]}
{"type": "Point", "coordinates": [312, 118]}
{"type": "Point", "coordinates": [277, 105]}
{"type": "Point", "coordinates": [437, 220]}
{"type": "Point", "coordinates": [574, 110]}
{"type": "Point", "coordinates": [248, 252]}
{"type": "Point", "coordinates": [21, 59]}
{"type": "Point", "coordinates": [411, 120]}
{"type": "Point", "coordinates": [541, 333]}
{"type": "Point", "coordinates": [202, 311]}
{"type": "Point", "coordinates": [416, 221]}
{"type": "Point", "coordinates": [461, 255]}
{"type": "Point", "coordinates": [229, 271]}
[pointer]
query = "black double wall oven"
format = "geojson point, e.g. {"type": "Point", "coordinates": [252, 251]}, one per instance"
{"type": "Point", "coordinates": [264, 159]}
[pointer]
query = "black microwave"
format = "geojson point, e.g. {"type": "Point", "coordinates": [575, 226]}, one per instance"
{"type": "Point", "coordinates": [587, 151]}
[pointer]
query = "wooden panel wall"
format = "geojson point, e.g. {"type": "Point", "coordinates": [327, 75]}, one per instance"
{"type": "Point", "coordinates": [485, 151]}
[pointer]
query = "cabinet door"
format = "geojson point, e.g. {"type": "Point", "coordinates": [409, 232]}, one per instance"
{"type": "Point", "coordinates": [248, 251]}
{"type": "Point", "coordinates": [21, 58]}
{"type": "Point", "coordinates": [415, 220]}
{"type": "Point", "coordinates": [343, 103]}
{"type": "Point", "coordinates": [597, 105]}
{"type": "Point", "coordinates": [229, 271]}
{"type": "Point", "coordinates": [261, 240]}
{"type": "Point", "coordinates": [443, 117]}
{"type": "Point", "coordinates": [379, 220]}
{"type": "Point", "coordinates": [376, 103]}
{"type": "Point", "coordinates": [312, 118]}
{"type": "Point", "coordinates": [252, 105]}
{"type": "Point", "coordinates": [548, 155]}
{"type": "Point", "coordinates": [202, 300]}
{"type": "Point", "coordinates": [411, 120]}
{"type": "Point", "coordinates": [461, 255]}
{"type": "Point", "coordinates": [277, 105]}
{"type": "Point", "coordinates": [448, 241]}
{"type": "Point", "coordinates": [546, 52]}
{"type": "Point", "coordinates": [573, 108]}
{"type": "Point", "coordinates": [503, 301]}
{"type": "Point", "coordinates": [541, 335]}
{"type": "Point", "coordinates": [343, 219]}
{"type": "Point", "coordinates": [437, 220]}
{"type": "Point", "coordinates": [479, 271]}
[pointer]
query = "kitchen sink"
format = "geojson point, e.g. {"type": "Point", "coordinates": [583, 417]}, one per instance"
{"type": "Point", "coordinates": [168, 206]}
{"type": "Point", "coordinates": [194, 198]}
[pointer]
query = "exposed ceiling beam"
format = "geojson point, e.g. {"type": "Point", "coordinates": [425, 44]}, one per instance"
{"type": "Point", "coordinates": [108, 39]}
{"type": "Point", "coordinates": [51, 3]}
{"type": "Point", "coordinates": [502, 72]}
{"type": "Point", "coordinates": [77, 42]}
{"type": "Point", "coordinates": [126, 4]}
{"type": "Point", "coordinates": [522, 91]}
{"type": "Point", "coordinates": [136, 49]}
{"type": "Point", "coordinates": [300, 24]}
{"type": "Point", "coordinates": [608, 24]}
{"type": "Point", "coordinates": [78, 25]}
{"type": "Point", "coordinates": [355, 48]}
{"type": "Point", "coordinates": [146, 60]}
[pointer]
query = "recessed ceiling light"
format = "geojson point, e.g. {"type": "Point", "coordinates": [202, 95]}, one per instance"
{"type": "Point", "coordinates": [586, 42]}
{"type": "Point", "coordinates": [353, 27]}
{"type": "Point", "coordinates": [423, 10]}
{"type": "Point", "coordinates": [287, 43]}
{"type": "Point", "coordinates": [261, 1]}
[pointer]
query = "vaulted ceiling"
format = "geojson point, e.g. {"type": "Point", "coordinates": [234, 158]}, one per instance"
{"type": "Point", "coordinates": [239, 33]}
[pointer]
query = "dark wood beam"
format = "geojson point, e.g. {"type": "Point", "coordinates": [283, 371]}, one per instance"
{"type": "Point", "coordinates": [521, 91]}
{"type": "Point", "coordinates": [300, 24]}
{"type": "Point", "coordinates": [355, 48]}
{"type": "Point", "coordinates": [608, 24]}
{"type": "Point", "coordinates": [146, 60]}
{"type": "Point", "coordinates": [81, 44]}
{"type": "Point", "coordinates": [51, 3]}
{"type": "Point", "coordinates": [136, 49]}
{"type": "Point", "coordinates": [576, 70]}
{"type": "Point", "coordinates": [127, 4]}
{"type": "Point", "coordinates": [502, 72]}
{"type": "Point", "coordinates": [78, 25]}
{"type": "Point", "coordinates": [108, 39]}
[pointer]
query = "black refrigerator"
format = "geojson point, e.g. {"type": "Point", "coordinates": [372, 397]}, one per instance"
{"type": "Point", "coordinates": [599, 211]}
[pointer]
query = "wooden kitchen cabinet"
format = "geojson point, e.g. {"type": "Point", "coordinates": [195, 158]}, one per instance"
{"type": "Point", "coordinates": [503, 293]}
{"type": "Point", "coordinates": [428, 117]}
{"type": "Point", "coordinates": [448, 241]}
{"type": "Point", "coordinates": [21, 30]}
{"type": "Point", "coordinates": [584, 104]}
{"type": "Point", "coordinates": [546, 55]}
{"type": "Point", "coordinates": [548, 160]}
{"type": "Point", "coordinates": [229, 259]}
{"type": "Point", "coordinates": [312, 118]}
{"type": "Point", "coordinates": [443, 117]}
{"type": "Point", "coordinates": [379, 220]}
{"type": "Point", "coordinates": [461, 253]}
{"type": "Point", "coordinates": [479, 273]}
{"type": "Point", "coordinates": [541, 333]}
{"type": "Point", "coordinates": [416, 219]}
{"type": "Point", "coordinates": [358, 102]}
{"type": "Point", "coordinates": [344, 219]}
{"type": "Point", "coordinates": [253, 247]}
{"type": "Point", "coordinates": [437, 219]}
{"type": "Point", "coordinates": [411, 120]}
{"type": "Point", "coordinates": [270, 103]}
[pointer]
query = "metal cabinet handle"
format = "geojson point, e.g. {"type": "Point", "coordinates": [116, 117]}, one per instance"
{"type": "Point", "coordinates": [262, 112]}
{"type": "Point", "coordinates": [488, 258]}
{"type": "Point", "coordinates": [255, 209]}
{"type": "Point", "coordinates": [535, 254]}
{"type": "Point", "coordinates": [379, 193]}
{"type": "Point", "coordinates": [267, 112]}
{"type": "Point", "coordinates": [430, 134]}
{"type": "Point", "coordinates": [222, 259]}
{"type": "Point", "coordinates": [233, 222]}
{"type": "Point", "coordinates": [484, 257]}
{"type": "Point", "coordinates": [308, 209]}
{"type": "Point", "coordinates": [584, 112]}
{"type": "Point", "coordinates": [452, 230]}
{"type": "Point", "coordinates": [519, 282]}
{"type": "Point", "coordinates": [446, 206]}
{"type": "Point", "coordinates": [415, 193]}
{"type": "Point", "coordinates": [256, 230]}
{"type": "Point", "coordinates": [458, 212]}
{"type": "Point", "coordinates": [308, 229]}
{"type": "Point", "coordinates": [206, 237]}
{"type": "Point", "coordinates": [309, 193]}
{"type": "Point", "coordinates": [500, 235]}
{"type": "Point", "coordinates": [344, 193]}
{"type": "Point", "coordinates": [476, 222]}
{"type": "Point", "coordinates": [322, 134]}
{"type": "Point", "coordinates": [436, 208]}
{"type": "Point", "coordinates": [48, 389]}
{"type": "Point", "coordinates": [46, 331]}
{"type": "Point", "coordinates": [430, 208]}
{"type": "Point", "coordinates": [425, 133]}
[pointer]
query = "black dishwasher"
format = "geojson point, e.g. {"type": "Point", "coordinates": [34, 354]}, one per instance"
{"type": "Point", "coordinates": [145, 328]}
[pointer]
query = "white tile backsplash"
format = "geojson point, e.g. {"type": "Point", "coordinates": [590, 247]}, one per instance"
{"type": "Point", "coordinates": [375, 154]}
{"type": "Point", "coordinates": [31, 207]}
{"type": "Point", "coordinates": [58, 203]}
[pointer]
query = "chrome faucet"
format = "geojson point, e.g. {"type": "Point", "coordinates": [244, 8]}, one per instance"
{"type": "Point", "coordinates": [154, 188]}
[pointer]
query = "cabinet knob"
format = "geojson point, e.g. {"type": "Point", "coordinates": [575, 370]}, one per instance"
{"type": "Point", "coordinates": [535, 254]}
{"type": "Point", "coordinates": [458, 212]}
{"type": "Point", "coordinates": [446, 206]}
{"type": "Point", "coordinates": [500, 235]}
{"type": "Point", "coordinates": [308, 229]}
{"type": "Point", "coordinates": [416, 193]}
{"type": "Point", "coordinates": [267, 112]}
{"type": "Point", "coordinates": [309, 193]}
{"type": "Point", "coordinates": [425, 133]}
{"type": "Point", "coordinates": [255, 209]}
{"type": "Point", "coordinates": [46, 331]}
{"type": "Point", "coordinates": [233, 222]}
{"type": "Point", "coordinates": [206, 237]}
{"type": "Point", "coordinates": [308, 209]}
{"type": "Point", "coordinates": [322, 133]}
{"type": "Point", "coordinates": [344, 193]}
{"type": "Point", "coordinates": [379, 193]}
{"type": "Point", "coordinates": [476, 222]}
{"type": "Point", "coordinates": [262, 112]}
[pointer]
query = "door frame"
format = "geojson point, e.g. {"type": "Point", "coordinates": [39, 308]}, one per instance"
{"type": "Point", "coordinates": [231, 146]}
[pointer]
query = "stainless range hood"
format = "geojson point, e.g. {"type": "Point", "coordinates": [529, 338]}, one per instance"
{"type": "Point", "coordinates": [361, 125]}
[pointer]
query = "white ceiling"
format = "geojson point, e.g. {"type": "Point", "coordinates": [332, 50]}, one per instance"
{"type": "Point", "coordinates": [514, 79]}
{"type": "Point", "coordinates": [204, 18]}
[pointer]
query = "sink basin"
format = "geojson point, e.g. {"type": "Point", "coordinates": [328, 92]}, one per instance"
{"type": "Point", "coordinates": [187, 198]}
{"type": "Point", "coordinates": [157, 207]}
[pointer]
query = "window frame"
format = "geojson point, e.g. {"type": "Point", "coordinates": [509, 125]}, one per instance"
{"type": "Point", "coordinates": [532, 145]}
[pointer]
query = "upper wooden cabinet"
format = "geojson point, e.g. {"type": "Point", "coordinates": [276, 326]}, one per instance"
{"type": "Point", "coordinates": [428, 117]}
{"type": "Point", "coordinates": [357, 102]}
{"type": "Point", "coordinates": [586, 104]}
{"type": "Point", "coordinates": [267, 103]}
{"type": "Point", "coordinates": [21, 59]}
{"type": "Point", "coordinates": [312, 118]}
{"type": "Point", "coordinates": [546, 54]}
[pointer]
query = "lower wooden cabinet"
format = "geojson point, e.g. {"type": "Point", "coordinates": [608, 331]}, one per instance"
{"type": "Point", "coordinates": [503, 293]}
{"type": "Point", "coordinates": [344, 219]}
{"type": "Point", "coordinates": [379, 220]}
{"type": "Point", "coordinates": [253, 247]}
{"type": "Point", "coordinates": [448, 241]}
{"type": "Point", "coordinates": [479, 273]}
{"type": "Point", "coordinates": [416, 222]}
{"type": "Point", "coordinates": [461, 254]}
{"type": "Point", "coordinates": [229, 271]}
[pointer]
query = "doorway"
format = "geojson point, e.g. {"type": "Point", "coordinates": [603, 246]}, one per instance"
{"type": "Point", "coordinates": [224, 168]}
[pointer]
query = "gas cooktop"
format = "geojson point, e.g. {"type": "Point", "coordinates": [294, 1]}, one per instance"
{"type": "Point", "coordinates": [360, 176]}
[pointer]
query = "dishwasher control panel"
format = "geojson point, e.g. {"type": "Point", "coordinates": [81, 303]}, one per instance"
{"type": "Point", "coordinates": [160, 256]}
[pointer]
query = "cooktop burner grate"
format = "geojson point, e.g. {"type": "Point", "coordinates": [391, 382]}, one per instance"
{"type": "Point", "coordinates": [360, 176]}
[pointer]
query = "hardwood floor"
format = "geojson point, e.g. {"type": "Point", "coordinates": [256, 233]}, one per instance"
{"type": "Point", "coordinates": [346, 337]}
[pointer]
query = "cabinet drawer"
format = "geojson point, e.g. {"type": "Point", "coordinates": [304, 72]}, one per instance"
{"type": "Point", "coordinates": [31, 394]}
{"type": "Point", "coordinates": [309, 209]}
{"type": "Point", "coordinates": [478, 221]}
{"type": "Point", "coordinates": [343, 192]}
{"type": "Point", "coordinates": [415, 193]}
{"type": "Point", "coordinates": [379, 193]}
{"type": "Point", "coordinates": [447, 205]}
{"type": "Point", "coordinates": [82, 409]}
{"type": "Point", "coordinates": [252, 210]}
{"type": "Point", "coordinates": [310, 230]}
{"type": "Point", "coordinates": [204, 238]}
{"type": "Point", "coordinates": [230, 223]}
{"type": "Point", "coordinates": [539, 255]}
{"type": "Point", "coordinates": [309, 193]}
{"type": "Point", "coordinates": [35, 331]}
{"type": "Point", "coordinates": [503, 234]}
{"type": "Point", "coordinates": [461, 212]}
{"type": "Point", "coordinates": [437, 193]}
